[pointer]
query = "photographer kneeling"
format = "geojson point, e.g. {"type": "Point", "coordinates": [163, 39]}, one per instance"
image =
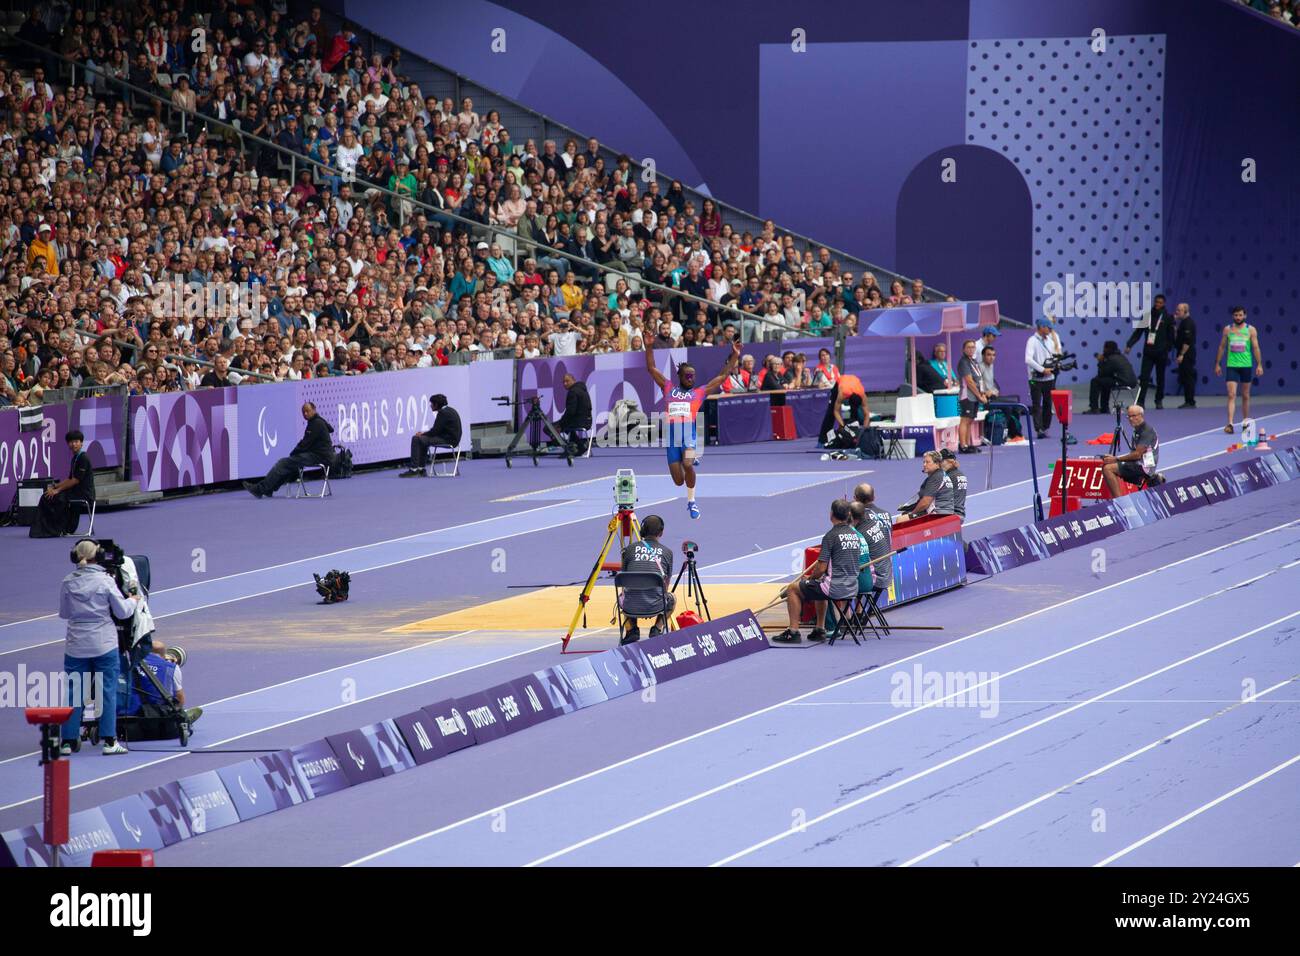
{"type": "Point", "coordinates": [647, 555]}
{"type": "Point", "coordinates": [1114, 371]}
{"type": "Point", "coordinates": [89, 600]}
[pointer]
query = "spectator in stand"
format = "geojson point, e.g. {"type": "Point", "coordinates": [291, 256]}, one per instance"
{"type": "Point", "coordinates": [797, 376]}
{"type": "Point", "coordinates": [826, 373]}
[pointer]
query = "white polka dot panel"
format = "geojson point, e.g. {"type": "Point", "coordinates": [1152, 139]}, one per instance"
{"type": "Point", "coordinates": [1084, 127]}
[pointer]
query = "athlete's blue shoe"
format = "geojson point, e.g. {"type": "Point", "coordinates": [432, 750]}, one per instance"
{"type": "Point", "coordinates": [693, 508]}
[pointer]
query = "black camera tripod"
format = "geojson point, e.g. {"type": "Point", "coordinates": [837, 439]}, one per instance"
{"type": "Point", "coordinates": [534, 424]}
{"type": "Point", "coordinates": [694, 589]}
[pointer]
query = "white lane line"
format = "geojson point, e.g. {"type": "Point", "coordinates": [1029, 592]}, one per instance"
{"type": "Point", "coordinates": [1197, 812]}
{"type": "Point", "coordinates": [1042, 798]}
{"type": "Point", "coordinates": [811, 693]}
{"type": "Point", "coordinates": [852, 735]}
{"type": "Point", "coordinates": [293, 720]}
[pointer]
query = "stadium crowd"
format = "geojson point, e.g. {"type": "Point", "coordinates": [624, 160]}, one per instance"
{"type": "Point", "coordinates": [110, 217]}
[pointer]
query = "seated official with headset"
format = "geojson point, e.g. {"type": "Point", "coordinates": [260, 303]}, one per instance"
{"type": "Point", "coordinates": [647, 555]}
{"type": "Point", "coordinates": [446, 432]}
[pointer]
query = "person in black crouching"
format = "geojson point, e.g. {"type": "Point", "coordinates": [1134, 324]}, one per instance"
{"type": "Point", "coordinates": [316, 448]}
{"type": "Point", "coordinates": [577, 412]}
{"type": "Point", "coordinates": [445, 433]}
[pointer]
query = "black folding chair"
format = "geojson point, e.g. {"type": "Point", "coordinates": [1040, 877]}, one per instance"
{"type": "Point", "coordinates": [651, 593]}
{"type": "Point", "coordinates": [848, 613]}
{"type": "Point", "coordinates": [871, 612]}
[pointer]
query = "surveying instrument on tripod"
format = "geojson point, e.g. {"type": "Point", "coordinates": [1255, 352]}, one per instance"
{"type": "Point", "coordinates": [627, 528]}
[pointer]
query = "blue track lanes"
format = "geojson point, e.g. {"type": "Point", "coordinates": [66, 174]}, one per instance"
{"type": "Point", "coordinates": [728, 792]}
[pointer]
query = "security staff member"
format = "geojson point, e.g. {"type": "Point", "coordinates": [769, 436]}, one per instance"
{"type": "Point", "coordinates": [314, 449]}
{"type": "Point", "coordinates": [89, 599]}
{"type": "Point", "coordinates": [446, 433]}
{"type": "Point", "coordinates": [55, 514]}
{"type": "Point", "coordinates": [1185, 353]}
{"type": "Point", "coordinates": [647, 555]}
{"type": "Point", "coordinates": [1113, 371]}
{"type": "Point", "coordinates": [1155, 353]}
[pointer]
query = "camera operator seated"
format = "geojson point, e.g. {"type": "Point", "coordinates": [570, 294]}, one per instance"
{"type": "Point", "coordinates": [165, 664]}
{"type": "Point", "coordinates": [647, 555]}
{"type": "Point", "coordinates": [89, 600]}
{"type": "Point", "coordinates": [445, 433]}
{"type": "Point", "coordinates": [56, 515]}
{"type": "Point", "coordinates": [1140, 463]}
{"type": "Point", "coordinates": [832, 577]}
{"type": "Point", "coordinates": [1114, 370]}
{"type": "Point", "coordinates": [314, 450]}
{"type": "Point", "coordinates": [936, 495]}
{"type": "Point", "coordinates": [577, 409]}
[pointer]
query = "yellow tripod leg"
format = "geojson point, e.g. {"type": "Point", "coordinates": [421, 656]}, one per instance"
{"type": "Point", "coordinates": [585, 596]}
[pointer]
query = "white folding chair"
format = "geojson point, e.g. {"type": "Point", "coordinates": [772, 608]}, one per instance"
{"type": "Point", "coordinates": [431, 462]}
{"type": "Point", "coordinates": [80, 504]}
{"type": "Point", "coordinates": [300, 490]}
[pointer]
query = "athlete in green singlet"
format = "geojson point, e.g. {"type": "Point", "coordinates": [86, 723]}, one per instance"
{"type": "Point", "coordinates": [1241, 342]}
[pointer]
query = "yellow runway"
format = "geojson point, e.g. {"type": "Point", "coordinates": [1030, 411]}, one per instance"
{"type": "Point", "coordinates": [552, 608]}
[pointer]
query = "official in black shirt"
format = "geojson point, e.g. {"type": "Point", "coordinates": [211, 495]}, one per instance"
{"type": "Point", "coordinates": [1113, 371]}
{"type": "Point", "coordinates": [316, 448]}
{"type": "Point", "coordinates": [446, 433]}
{"type": "Point", "coordinates": [55, 515]}
{"type": "Point", "coordinates": [1185, 353]}
{"type": "Point", "coordinates": [1159, 338]}
{"type": "Point", "coordinates": [647, 555]}
{"type": "Point", "coordinates": [1130, 467]}
{"type": "Point", "coordinates": [577, 408]}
